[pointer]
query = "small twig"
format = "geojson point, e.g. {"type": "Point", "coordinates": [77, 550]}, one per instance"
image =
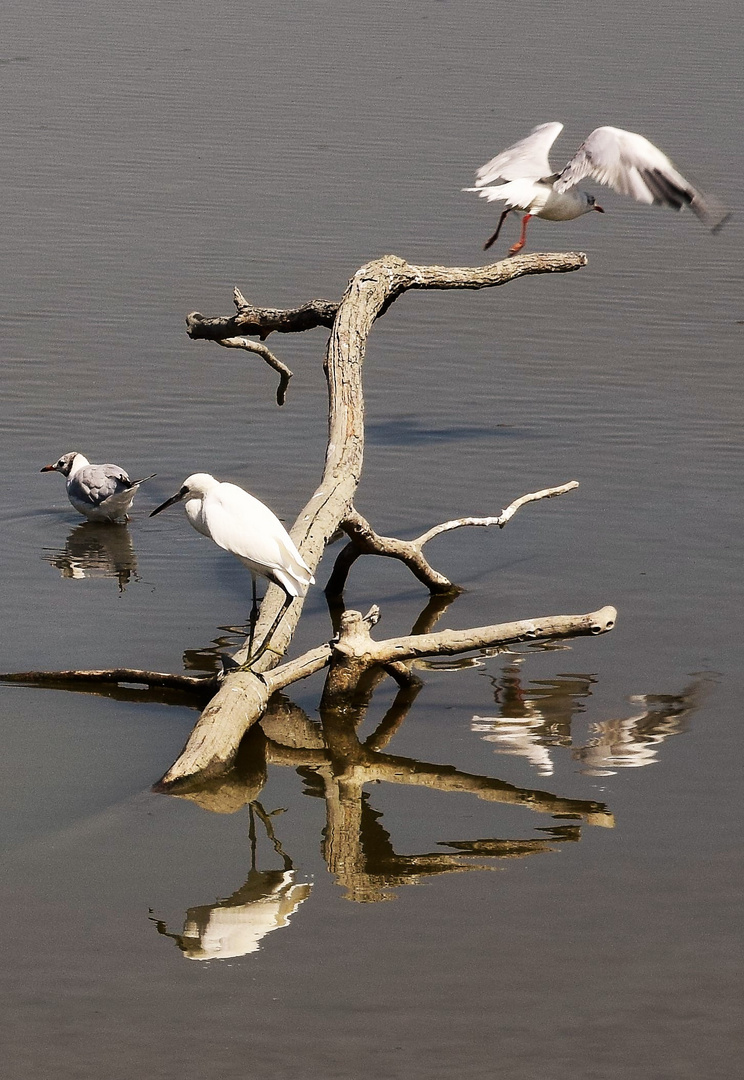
{"type": "Point", "coordinates": [501, 520]}
{"type": "Point", "coordinates": [262, 350]}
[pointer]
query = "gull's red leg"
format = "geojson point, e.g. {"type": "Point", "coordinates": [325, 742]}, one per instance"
{"type": "Point", "coordinates": [523, 238]}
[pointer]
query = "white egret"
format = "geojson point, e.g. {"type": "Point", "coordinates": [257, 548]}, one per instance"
{"type": "Point", "coordinates": [627, 162]}
{"type": "Point", "coordinates": [98, 492]}
{"type": "Point", "coordinates": [242, 525]}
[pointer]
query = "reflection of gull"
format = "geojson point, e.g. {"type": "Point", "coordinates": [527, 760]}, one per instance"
{"type": "Point", "coordinates": [96, 550]}
{"type": "Point", "coordinates": [631, 743]}
{"type": "Point", "coordinates": [538, 716]}
{"type": "Point", "coordinates": [234, 927]}
{"type": "Point", "coordinates": [533, 718]}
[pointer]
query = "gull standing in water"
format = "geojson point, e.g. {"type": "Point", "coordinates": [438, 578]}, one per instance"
{"type": "Point", "coordinates": [242, 525]}
{"type": "Point", "coordinates": [627, 162]}
{"type": "Point", "coordinates": [98, 492]}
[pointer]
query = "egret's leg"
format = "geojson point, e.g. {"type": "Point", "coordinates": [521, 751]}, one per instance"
{"type": "Point", "coordinates": [254, 615]}
{"type": "Point", "coordinates": [252, 657]}
{"type": "Point", "coordinates": [523, 238]}
{"type": "Point", "coordinates": [494, 238]}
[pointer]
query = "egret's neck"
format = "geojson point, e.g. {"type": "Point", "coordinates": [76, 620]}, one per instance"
{"type": "Point", "coordinates": [193, 505]}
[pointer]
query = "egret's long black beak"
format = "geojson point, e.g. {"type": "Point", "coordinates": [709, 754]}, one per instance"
{"type": "Point", "coordinates": [168, 502]}
{"type": "Point", "coordinates": [599, 209]}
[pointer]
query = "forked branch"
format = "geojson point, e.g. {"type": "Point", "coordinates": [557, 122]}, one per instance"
{"type": "Point", "coordinates": [365, 541]}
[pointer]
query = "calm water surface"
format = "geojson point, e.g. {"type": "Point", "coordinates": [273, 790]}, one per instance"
{"type": "Point", "coordinates": [567, 903]}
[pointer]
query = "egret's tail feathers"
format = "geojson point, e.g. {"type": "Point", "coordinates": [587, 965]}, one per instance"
{"type": "Point", "coordinates": [295, 583]}
{"type": "Point", "coordinates": [293, 574]}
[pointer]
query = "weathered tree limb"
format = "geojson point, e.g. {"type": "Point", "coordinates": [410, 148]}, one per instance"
{"type": "Point", "coordinates": [365, 541]}
{"type": "Point", "coordinates": [373, 288]}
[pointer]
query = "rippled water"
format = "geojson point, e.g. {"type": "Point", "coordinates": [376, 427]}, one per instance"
{"type": "Point", "coordinates": [155, 156]}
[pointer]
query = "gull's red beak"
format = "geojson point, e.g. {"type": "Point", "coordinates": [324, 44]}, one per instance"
{"type": "Point", "coordinates": [47, 468]}
{"type": "Point", "coordinates": [599, 209]}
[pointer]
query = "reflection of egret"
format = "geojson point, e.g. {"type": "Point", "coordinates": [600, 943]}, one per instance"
{"type": "Point", "coordinates": [242, 525]}
{"type": "Point", "coordinates": [96, 550]}
{"type": "Point", "coordinates": [236, 926]}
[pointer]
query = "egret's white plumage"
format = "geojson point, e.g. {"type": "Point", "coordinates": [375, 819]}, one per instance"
{"type": "Point", "coordinates": [522, 178]}
{"type": "Point", "coordinates": [242, 525]}
{"type": "Point", "coordinates": [98, 492]}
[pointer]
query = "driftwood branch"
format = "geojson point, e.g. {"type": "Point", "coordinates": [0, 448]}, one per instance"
{"type": "Point", "coordinates": [356, 650]}
{"type": "Point", "coordinates": [375, 286]}
{"type": "Point", "coordinates": [365, 541]}
{"type": "Point", "coordinates": [354, 653]}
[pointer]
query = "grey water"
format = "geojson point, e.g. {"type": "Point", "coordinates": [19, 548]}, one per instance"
{"type": "Point", "coordinates": [154, 156]}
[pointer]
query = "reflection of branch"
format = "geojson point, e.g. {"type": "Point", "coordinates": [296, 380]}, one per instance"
{"type": "Point", "coordinates": [365, 541]}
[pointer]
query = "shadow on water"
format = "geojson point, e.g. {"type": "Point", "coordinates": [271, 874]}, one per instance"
{"type": "Point", "coordinates": [409, 431]}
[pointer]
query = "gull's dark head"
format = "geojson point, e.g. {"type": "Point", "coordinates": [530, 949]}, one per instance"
{"type": "Point", "coordinates": [63, 465]}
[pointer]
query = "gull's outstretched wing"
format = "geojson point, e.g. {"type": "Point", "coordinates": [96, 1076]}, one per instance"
{"type": "Point", "coordinates": [525, 160]}
{"type": "Point", "coordinates": [634, 166]}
